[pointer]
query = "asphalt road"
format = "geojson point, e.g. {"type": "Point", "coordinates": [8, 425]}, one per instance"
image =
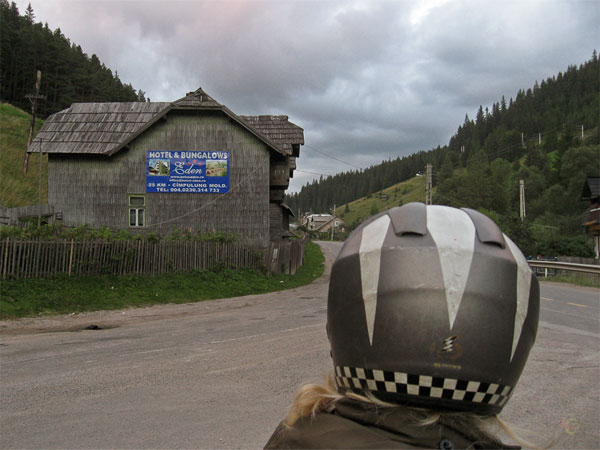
{"type": "Point", "coordinates": [221, 374]}
{"type": "Point", "coordinates": [571, 306]}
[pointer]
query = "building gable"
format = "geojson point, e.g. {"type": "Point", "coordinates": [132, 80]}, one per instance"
{"type": "Point", "coordinates": [107, 128]}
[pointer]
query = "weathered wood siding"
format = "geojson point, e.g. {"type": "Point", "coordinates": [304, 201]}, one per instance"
{"type": "Point", "coordinates": [276, 218]}
{"type": "Point", "coordinates": [95, 189]}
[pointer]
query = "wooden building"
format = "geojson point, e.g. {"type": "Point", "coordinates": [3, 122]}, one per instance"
{"type": "Point", "coordinates": [323, 222]}
{"type": "Point", "coordinates": [191, 164]}
{"type": "Point", "coordinates": [336, 223]}
{"type": "Point", "coordinates": [313, 222]}
{"type": "Point", "coordinates": [591, 192]}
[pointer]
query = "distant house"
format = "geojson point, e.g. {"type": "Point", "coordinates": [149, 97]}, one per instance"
{"type": "Point", "coordinates": [314, 221]}
{"type": "Point", "coordinates": [191, 164]}
{"type": "Point", "coordinates": [591, 192]}
{"type": "Point", "coordinates": [336, 222]}
{"type": "Point", "coordinates": [323, 222]}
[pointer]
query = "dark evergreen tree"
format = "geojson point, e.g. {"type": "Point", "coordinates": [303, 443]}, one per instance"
{"type": "Point", "coordinates": [68, 74]}
{"type": "Point", "coordinates": [507, 135]}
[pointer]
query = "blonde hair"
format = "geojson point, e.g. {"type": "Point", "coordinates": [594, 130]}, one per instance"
{"type": "Point", "coordinates": [314, 398]}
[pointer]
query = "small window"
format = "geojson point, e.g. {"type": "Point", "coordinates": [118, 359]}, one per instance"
{"type": "Point", "coordinates": [137, 205]}
{"type": "Point", "coordinates": [137, 201]}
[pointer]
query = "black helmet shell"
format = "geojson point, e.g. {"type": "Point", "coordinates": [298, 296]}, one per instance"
{"type": "Point", "coordinates": [432, 306]}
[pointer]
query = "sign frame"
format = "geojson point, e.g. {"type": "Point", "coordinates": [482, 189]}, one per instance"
{"type": "Point", "coordinates": [187, 172]}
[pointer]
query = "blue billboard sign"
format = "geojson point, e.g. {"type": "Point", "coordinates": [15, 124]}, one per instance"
{"type": "Point", "coordinates": [196, 172]}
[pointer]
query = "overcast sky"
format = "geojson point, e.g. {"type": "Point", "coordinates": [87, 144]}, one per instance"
{"type": "Point", "coordinates": [367, 80]}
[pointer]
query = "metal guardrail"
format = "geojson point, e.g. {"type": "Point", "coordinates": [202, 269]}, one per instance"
{"type": "Point", "coordinates": [574, 267]}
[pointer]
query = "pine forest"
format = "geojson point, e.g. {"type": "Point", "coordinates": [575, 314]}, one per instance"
{"type": "Point", "coordinates": [68, 74]}
{"type": "Point", "coordinates": [546, 136]}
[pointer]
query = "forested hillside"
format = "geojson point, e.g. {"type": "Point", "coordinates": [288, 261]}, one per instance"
{"type": "Point", "coordinates": [546, 136]}
{"type": "Point", "coordinates": [68, 74]}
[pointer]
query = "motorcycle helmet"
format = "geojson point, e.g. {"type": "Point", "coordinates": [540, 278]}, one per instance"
{"type": "Point", "coordinates": [431, 306]}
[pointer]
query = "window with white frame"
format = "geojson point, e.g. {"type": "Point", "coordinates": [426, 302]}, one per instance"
{"type": "Point", "coordinates": [137, 213]}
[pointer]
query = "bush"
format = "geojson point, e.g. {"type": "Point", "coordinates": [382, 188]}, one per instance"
{"type": "Point", "coordinates": [85, 232]}
{"type": "Point", "coordinates": [553, 244]}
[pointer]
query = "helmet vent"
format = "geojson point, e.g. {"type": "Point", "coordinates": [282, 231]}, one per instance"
{"type": "Point", "coordinates": [487, 231]}
{"type": "Point", "coordinates": [410, 233]}
{"type": "Point", "coordinates": [409, 219]}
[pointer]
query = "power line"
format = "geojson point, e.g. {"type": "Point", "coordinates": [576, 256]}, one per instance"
{"type": "Point", "coordinates": [451, 200]}
{"type": "Point", "coordinates": [521, 144]}
{"type": "Point", "coordinates": [313, 173]}
{"type": "Point", "coordinates": [332, 157]}
{"type": "Point", "coordinates": [208, 203]}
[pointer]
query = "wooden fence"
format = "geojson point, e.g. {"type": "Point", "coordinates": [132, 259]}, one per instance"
{"type": "Point", "coordinates": [285, 256]}
{"type": "Point", "coordinates": [45, 259]}
{"type": "Point", "coordinates": [31, 259]}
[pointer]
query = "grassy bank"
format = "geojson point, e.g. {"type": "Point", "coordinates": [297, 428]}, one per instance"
{"type": "Point", "coordinates": [356, 212]}
{"type": "Point", "coordinates": [576, 279]}
{"type": "Point", "coordinates": [64, 295]}
{"type": "Point", "coordinates": [17, 189]}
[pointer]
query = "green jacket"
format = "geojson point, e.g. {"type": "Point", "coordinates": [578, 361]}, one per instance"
{"type": "Point", "coordinates": [355, 424]}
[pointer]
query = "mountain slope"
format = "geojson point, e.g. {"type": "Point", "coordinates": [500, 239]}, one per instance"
{"type": "Point", "coordinates": [554, 111]}
{"type": "Point", "coordinates": [16, 189]}
{"type": "Point", "coordinates": [412, 190]}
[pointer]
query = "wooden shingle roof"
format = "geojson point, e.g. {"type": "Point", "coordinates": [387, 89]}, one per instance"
{"type": "Point", "coordinates": [95, 128]}
{"type": "Point", "coordinates": [278, 129]}
{"type": "Point", "coordinates": [197, 99]}
{"type": "Point", "coordinates": [591, 189]}
{"type": "Point", "coordinates": [106, 128]}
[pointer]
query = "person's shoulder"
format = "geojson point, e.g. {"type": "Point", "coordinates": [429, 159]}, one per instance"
{"type": "Point", "coordinates": [326, 430]}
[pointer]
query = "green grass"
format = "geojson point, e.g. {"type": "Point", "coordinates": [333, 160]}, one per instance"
{"type": "Point", "coordinates": [412, 190]}
{"type": "Point", "coordinates": [64, 295]}
{"type": "Point", "coordinates": [15, 188]}
{"type": "Point", "coordinates": [576, 279]}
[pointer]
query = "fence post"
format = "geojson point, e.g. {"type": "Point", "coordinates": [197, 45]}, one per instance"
{"type": "Point", "coordinates": [6, 244]}
{"type": "Point", "coordinates": [71, 257]}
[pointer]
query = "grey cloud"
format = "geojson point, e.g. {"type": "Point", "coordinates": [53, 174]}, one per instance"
{"type": "Point", "coordinates": [368, 80]}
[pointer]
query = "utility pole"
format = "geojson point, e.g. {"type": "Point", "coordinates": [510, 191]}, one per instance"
{"type": "Point", "coordinates": [33, 98]}
{"type": "Point", "coordinates": [428, 185]}
{"type": "Point", "coordinates": [522, 140]}
{"type": "Point", "coordinates": [40, 188]}
{"type": "Point", "coordinates": [333, 227]}
{"type": "Point", "coordinates": [581, 132]}
{"type": "Point", "coordinates": [522, 199]}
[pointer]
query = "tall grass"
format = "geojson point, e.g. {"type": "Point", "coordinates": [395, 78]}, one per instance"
{"type": "Point", "coordinates": [15, 188]}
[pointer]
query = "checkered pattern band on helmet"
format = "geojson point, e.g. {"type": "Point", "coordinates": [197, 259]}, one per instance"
{"type": "Point", "coordinates": [422, 385]}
